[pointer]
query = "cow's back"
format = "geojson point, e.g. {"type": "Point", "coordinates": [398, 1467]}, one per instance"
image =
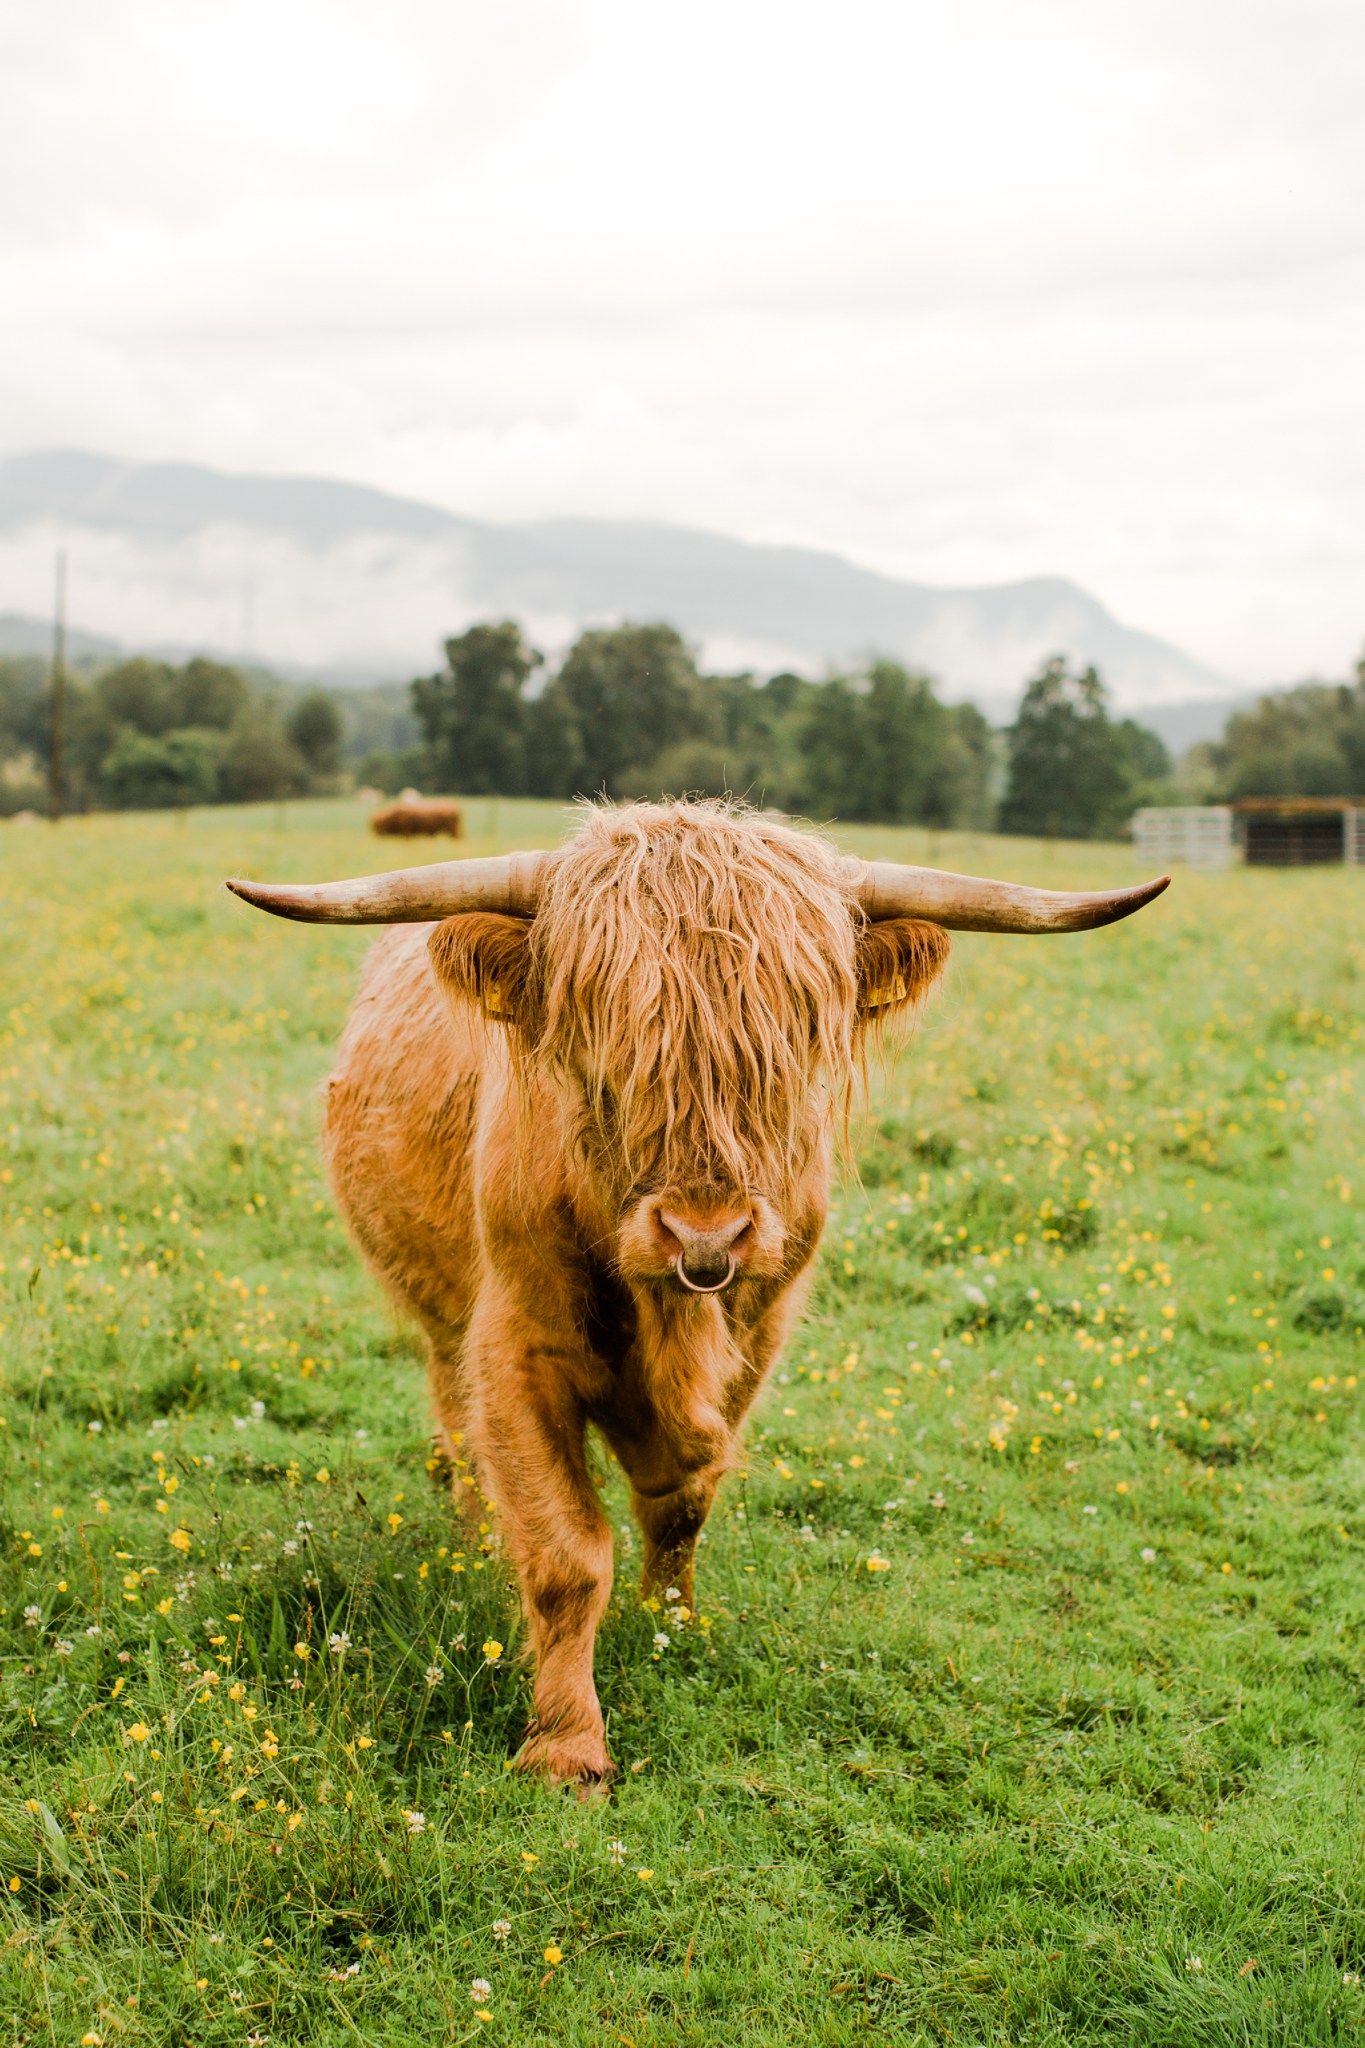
{"type": "Point", "coordinates": [401, 1109]}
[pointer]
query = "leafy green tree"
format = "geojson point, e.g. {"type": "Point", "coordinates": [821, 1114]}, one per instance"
{"type": "Point", "coordinates": [143, 772]}
{"type": "Point", "coordinates": [961, 793]}
{"type": "Point", "coordinates": [1308, 741]}
{"type": "Point", "coordinates": [390, 770]}
{"type": "Point", "coordinates": [315, 726]}
{"type": "Point", "coordinates": [1072, 771]}
{"type": "Point", "coordinates": [208, 693]}
{"type": "Point", "coordinates": [763, 724]}
{"type": "Point", "coordinates": [140, 693]}
{"type": "Point", "coordinates": [260, 761]}
{"type": "Point", "coordinates": [473, 713]}
{"type": "Point", "coordinates": [882, 748]}
{"type": "Point", "coordinates": [629, 692]}
{"type": "Point", "coordinates": [553, 747]}
{"type": "Point", "coordinates": [834, 743]}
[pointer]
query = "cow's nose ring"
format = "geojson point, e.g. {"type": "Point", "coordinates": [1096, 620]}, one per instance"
{"type": "Point", "coordinates": [709, 1287]}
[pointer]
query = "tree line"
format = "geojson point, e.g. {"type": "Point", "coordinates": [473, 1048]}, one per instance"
{"type": "Point", "coordinates": [145, 734]}
{"type": "Point", "coordinates": [1305, 741]}
{"type": "Point", "coordinates": [627, 712]}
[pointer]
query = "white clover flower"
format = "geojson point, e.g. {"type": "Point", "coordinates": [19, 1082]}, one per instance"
{"type": "Point", "coordinates": [806, 1533]}
{"type": "Point", "coordinates": [501, 1929]}
{"type": "Point", "coordinates": [290, 1547]}
{"type": "Point", "coordinates": [1087, 1510]}
{"type": "Point", "coordinates": [94, 1629]}
{"type": "Point", "coordinates": [32, 1616]}
{"type": "Point", "coordinates": [1148, 1555]}
{"type": "Point", "coordinates": [616, 1851]}
{"type": "Point", "coordinates": [63, 1647]}
{"type": "Point", "coordinates": [480, 1990]}
{"type": "Point", "coordinates": [661, 1641]}
{"type": "Point", "coordinates": [339, 1643]}
{"type": "Point", "coordinates": [94, 1427]}
{"type": "Point", "coordinates": [671, 1593]}
{"type": "Point", "coordinates": [416, 1821]}
{"type": "Point", "coordinates": [1194, 1962]}
{"type": "Point", "coordinates": [434, 1674]}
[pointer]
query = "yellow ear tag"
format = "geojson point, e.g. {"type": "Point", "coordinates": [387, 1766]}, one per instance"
{"type": "Point", "coordinates": [889, 992]}
{"type": "Point", "coordinates": [495, 1003]}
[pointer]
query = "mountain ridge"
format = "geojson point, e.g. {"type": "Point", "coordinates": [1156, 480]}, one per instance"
{"type": "Point", "coordinates": [333, 576]}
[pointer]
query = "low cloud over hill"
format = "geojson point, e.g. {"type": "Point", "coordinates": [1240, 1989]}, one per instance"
{"type": "Point", "coordinates": [357, 585]}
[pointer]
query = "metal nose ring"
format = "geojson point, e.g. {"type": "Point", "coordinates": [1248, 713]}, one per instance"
{"type": "Point", "coordinates": [695, 1287]}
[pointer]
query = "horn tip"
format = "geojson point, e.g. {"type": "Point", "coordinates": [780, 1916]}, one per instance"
{"type": "Point", "coordinates": [279, 902]}
{"type": "Point", "coordinates": [1137, 898]}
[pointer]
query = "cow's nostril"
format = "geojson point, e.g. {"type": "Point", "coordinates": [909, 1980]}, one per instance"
{"type": "Point", "coordinates": [704, 1255]}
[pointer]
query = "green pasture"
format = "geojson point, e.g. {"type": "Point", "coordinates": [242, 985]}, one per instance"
{"type": "Point", "coordinates": [1024, 1699]}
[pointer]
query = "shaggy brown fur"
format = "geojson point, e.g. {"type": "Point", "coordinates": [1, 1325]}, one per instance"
{"type": "Point", "coordinates": [427, 818]}
{"type": "Point", "coordinates": [533, 1126]}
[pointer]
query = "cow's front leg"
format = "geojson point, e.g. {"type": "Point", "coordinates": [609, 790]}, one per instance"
{"type": "Point", "coordinates": [531, 1451]}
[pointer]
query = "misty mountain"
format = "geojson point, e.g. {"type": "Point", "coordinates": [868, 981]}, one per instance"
{"type": "Point", "coordinates": [354, 584]}
{"type": "Point", "coordinates": [24, 633]}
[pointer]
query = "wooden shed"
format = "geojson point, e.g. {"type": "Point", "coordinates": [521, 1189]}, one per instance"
{"type": "Point", "coordinates": [1299, 831]}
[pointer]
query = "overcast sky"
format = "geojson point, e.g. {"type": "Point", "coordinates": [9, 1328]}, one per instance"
{"type": "Point", "coordinates": [966, 293]}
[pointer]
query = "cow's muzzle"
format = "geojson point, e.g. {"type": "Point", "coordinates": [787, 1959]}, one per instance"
{"type": "Point", "coordinates": [705, 1252]}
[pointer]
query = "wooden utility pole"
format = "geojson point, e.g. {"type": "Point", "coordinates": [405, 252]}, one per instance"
{"type": "Point", "coordinates": [56, 782]}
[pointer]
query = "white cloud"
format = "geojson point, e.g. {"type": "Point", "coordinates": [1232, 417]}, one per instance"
{"type": "Point", "coordinates": [965, 293]}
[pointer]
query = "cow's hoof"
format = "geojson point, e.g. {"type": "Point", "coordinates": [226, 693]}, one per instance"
{"type": "Point", "coordinates": [577, 1760]}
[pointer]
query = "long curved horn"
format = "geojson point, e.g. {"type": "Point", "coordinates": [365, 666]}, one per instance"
{"type": "Point", "coordinates": [964, 903]}
{"type": "Point", "coordinates": [508, 881]}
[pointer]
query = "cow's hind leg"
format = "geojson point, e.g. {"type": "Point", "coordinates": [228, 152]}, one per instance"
{"type": "Point", "coordinates": [453, 1464]}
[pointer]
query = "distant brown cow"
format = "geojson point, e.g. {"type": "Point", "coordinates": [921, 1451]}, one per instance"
{"type": "Point", "coordinates": [422, 817]}
{"type": "Point", "coordinates": [580, 1127]}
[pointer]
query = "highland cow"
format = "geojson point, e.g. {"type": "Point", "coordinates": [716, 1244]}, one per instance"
{"type": "Point", "coordinates": [580, 1126]}
{"type": "Point", "coordinates": [419, 818]}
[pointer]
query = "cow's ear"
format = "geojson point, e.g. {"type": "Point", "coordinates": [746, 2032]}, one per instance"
{"type": "Point", "coordinates": [899, 960]}
{"type": "Point", "coordinates": [485, 959]}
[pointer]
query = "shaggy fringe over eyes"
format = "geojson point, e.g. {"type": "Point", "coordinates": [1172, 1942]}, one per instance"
{"type": "Point", "coordinates": [697, 968]}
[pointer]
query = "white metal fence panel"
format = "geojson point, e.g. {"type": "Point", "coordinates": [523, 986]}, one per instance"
{"type": "Point", "coordinates": [1187, 835]}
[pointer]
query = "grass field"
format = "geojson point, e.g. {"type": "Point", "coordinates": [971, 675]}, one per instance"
{"type": "Point", "coordinates": [1024, 1702]}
